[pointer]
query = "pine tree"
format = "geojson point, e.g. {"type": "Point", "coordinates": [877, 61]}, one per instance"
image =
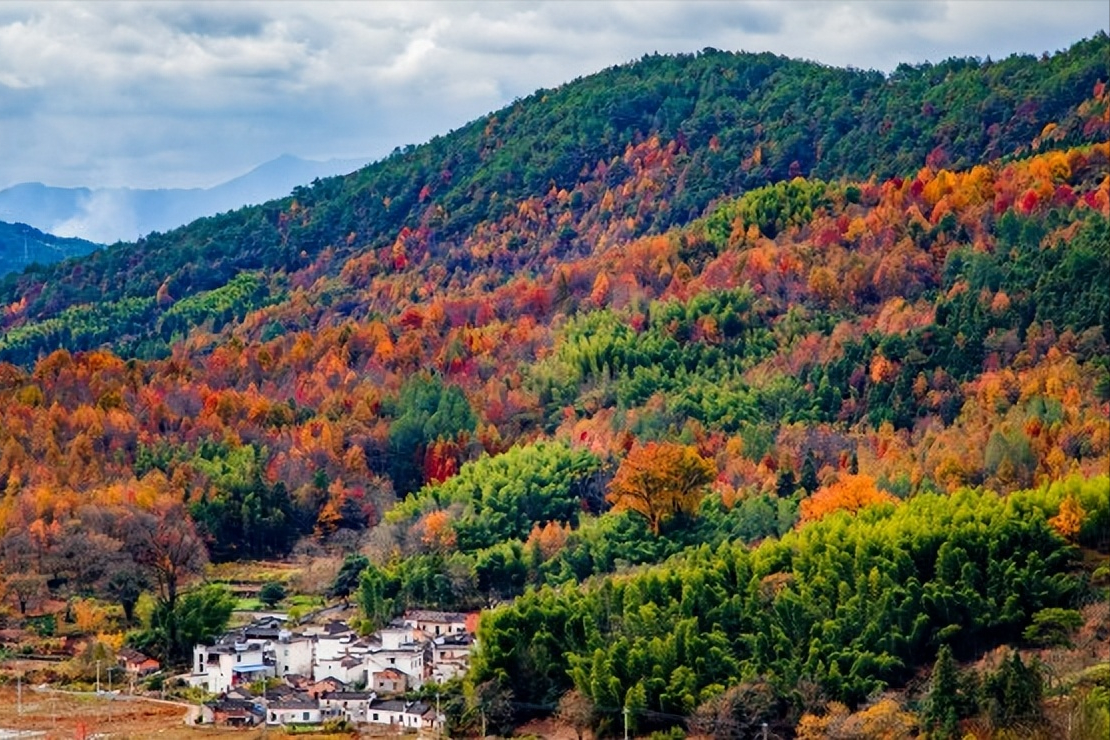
{"type": "Point", "coordinates": [809, 474]}
{"type": "Point", "coordinates": [1013, 694]}
{"type": "Point", "coordinates": [940, 711]}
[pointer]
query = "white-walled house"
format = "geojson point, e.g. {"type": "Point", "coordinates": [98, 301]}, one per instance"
{"type": "Point", "coordinates": [350, 705]}
{"type": "Point", "coordinates": [396, 648]}
{"type": "Point", "coordinates": [294, 654]}
{"type": "Point", "coordinates": [451, 656]}
{"type": "Point", "coordinates": [330, 647]}
{"type": "Point", "coordinates": [295, 709]}
{"type": "Point", "coordinates": [218, 668]}
{"type": "Point", "coordinates": [343, 674]}
{"type": "Point", "coordinates": [436, 623]}
{"type": "Point", "coordinates": [350, 669]}
{"type": "Point", "coordinates": [408, 714]}
{"type": "Point", "coordinates": [408, 661]}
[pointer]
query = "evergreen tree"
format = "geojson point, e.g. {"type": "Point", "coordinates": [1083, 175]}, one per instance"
{"type": "Point", "coordinates": [941, 709]}
{"type": "Point", "coordinates": [809, 474]}
{"type": "Point", "coordinates": [1013, 694]}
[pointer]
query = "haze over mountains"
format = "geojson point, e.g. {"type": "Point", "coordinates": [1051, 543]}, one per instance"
{"type": "Point", "coordinates": [108, 215]}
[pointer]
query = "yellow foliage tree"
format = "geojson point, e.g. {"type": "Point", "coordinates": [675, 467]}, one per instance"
{"type": "Point", "coordinates": [819, 726]}
{"type": "Point", "coordinates": [1069, 519]}
{"type": "Point", "coordinates": [659, 480]}
{"type": "Point", "coordinates": [884, 720]}
{"type": "Point", "coordinates": [89, 616]}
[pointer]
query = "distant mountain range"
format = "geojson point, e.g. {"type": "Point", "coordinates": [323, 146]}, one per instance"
{"type": "Point", "coordinates": [124, 214]}
{"type": "Point", "coordinates": [22, 245]}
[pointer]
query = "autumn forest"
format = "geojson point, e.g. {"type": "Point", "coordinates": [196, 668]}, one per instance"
{"type": "Point", "coordinates": [733, 389]}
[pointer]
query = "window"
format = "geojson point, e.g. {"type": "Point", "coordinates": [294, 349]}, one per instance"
{"type": "Point", "coordinates": [375, 716]}
{"type": "Point", "coordinates": [305, 716]}
{"type": "Point", "coordinates": [238, 658]}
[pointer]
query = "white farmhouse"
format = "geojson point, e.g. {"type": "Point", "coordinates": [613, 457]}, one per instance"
{"type": "Point", "coordinates": [435, 623]}
{"type": "Point", "coordinates": [407, 714]}
{"type": "Point", "coordinates": [293, 654]}
{"type": "Point", "coordinates": [451, 656]}
{"type": "Point", "coordinates": [350, 705]}
{"type": "Point", "coordinates": [295, 709]}
{"type": "Point", "coordinates": [218, 668]}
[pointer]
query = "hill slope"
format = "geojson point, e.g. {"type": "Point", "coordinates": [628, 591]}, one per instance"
{"type": "Point", "coordinates": [727, 123]}
{"type": "Point", "coordinates": [22, 245]}
{"type": "Point", "coordinates": [681, 315]}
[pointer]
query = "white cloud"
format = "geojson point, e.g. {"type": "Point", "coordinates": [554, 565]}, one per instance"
{"type": "Point", "coordinates": [104, 216]}
{"type": "Point", "coordinates": [190, 93]}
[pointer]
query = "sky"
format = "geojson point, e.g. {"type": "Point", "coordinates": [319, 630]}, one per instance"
{"type": "Point", "coordinates": [191, 94]}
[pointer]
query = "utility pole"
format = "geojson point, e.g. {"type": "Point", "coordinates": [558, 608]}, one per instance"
{"type": "Point", "coordinates": [19, 692]}
{"type": "Point", "coordinates": [764, 731]}
{"type": "Point", "coordinates": [265, 710]}
{"type": "Point", "coordinates": [98, 676]}
{"type": "Point", "coordinates": [625, 713]}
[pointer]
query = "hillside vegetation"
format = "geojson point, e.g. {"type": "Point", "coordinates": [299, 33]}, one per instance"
{"type": "Point", "coordinates": [22, 246]}
{"type": "Point", "coordinates": [736, 386]}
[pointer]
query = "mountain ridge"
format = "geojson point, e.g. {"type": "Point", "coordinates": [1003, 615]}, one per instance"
{"type": "Point", "coordinates": [22, 245]}
{"type": "Point", "coordinates": [437, 192]}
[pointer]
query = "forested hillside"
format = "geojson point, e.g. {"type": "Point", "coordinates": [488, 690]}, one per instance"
{"type": "Point", "coordinates": [803, 372]}
{"type": "Point", "coordinates": [22, 245]}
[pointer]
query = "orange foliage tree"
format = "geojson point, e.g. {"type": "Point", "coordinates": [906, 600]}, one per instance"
{"type": "Point", "coordinates": [659, 480]}
{"type": "Point", "coordinates": [850, 493]}
{"type": "Point", "coordinates": [436, 531]}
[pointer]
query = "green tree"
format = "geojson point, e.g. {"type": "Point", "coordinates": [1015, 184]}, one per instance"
{"type": "Point", "coordinates": [1013, 693]}
{"type": "Point", "coordinates": [941, 714]}
{"type": "Point", "coordinates": [197, 616]}
{"type": "Point", "coordinates": [271, 593]}
{"type": "Point", "coordinates": [347, 579]}
{"type": "Point", "coordinates": [1053, 626]}
{"type": "Point", "coordinates": [377, 596]}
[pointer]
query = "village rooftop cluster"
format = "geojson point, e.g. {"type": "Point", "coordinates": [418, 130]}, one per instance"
{"type": "Point", "coordinates": [330, 672]}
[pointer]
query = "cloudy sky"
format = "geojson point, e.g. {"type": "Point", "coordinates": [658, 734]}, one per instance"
{"type": "Point", "coordinates": [167, 94]}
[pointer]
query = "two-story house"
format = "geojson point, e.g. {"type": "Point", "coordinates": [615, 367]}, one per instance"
{"type": "Point", "coordinates": [293, 653]}
{"type": "Point", "coordinates": [451, 655]}
{"type": "Point", "coordinates": [218, 668]}
{"type": "Point", "coordinates": [349, 705]}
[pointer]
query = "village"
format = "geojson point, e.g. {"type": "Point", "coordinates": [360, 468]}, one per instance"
{"type": "Point", "coordinates": [328, 672]}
